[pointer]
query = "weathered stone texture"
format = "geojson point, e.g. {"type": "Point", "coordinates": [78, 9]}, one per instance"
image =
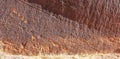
{"type": "Point", "coordinates": [60, 26]}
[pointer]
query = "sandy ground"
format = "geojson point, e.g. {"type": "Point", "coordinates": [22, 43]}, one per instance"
{"type": "Point", "coordinates": [61, 56]}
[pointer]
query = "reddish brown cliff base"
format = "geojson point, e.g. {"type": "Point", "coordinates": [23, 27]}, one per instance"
{"type": "Point", "coordinates": [31, 27]}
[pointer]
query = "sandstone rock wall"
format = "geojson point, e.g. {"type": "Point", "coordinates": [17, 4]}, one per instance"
{"type": "Point", "coordinates": [103, 15]}
{"type": "Point", "coordinates": [31, 27]}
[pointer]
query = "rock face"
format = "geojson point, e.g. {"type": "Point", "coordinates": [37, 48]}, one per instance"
{"type": "Point", "coordinates": [102, 15]}
{"type": "Point", "coordinates": [31, 27]}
